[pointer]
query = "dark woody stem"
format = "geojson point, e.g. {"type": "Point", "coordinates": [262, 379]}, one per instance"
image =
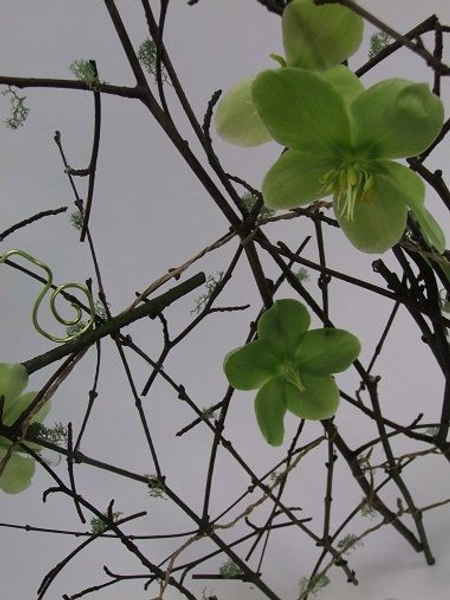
{"type": "Point", "coordinates": [151, 309]}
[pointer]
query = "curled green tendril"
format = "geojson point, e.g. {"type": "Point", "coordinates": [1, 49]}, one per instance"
{"type": "Point", "coordinates": [58, 290]}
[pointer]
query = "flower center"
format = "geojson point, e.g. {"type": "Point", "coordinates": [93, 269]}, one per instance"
{"type": "Point", "coordinates": [293, 376]}
{"type": "Point", "coordinates": [349, 183]}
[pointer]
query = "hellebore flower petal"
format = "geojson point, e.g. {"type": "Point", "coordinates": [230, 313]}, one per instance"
{"type": "Point", "coordinates": [326, 351]}
{"type": "Point", "coordinates": [17, 474]}
{"type": "Point", "coordinates": [379, 220]}
{"type": "Point", "coordinates": [319, 37]}
{"type": "Point", "coordinates": [319, 400]}
{"type": "Point", "coordinates": [250, 366]}
{"type": "Point", "coordinates": [42, 412]}
{"type": "Point", "coordinates": [270, 408]}
{"type": "Point", "coordinates": [396, 118]}
{"type": "Point", "coordinates": [428, 224]}
{"type": "Point", "coordinates": [237, 120]}
{"type": "Point", "coordinates": [345, 81]}
{"type": "Point", "coordinates": [18, 471]}
{"type": "Point", "coordinates": [430, 229]}
{"type": "Point", "coordinates": [295, 179]}
{"type": "Point", "coordinates": [15, 408]}
{"type": "Point", "coordinates": [13, 380]}
{"type": "Point", "coordinates": [302, 111]}
{"type": "Point", "coordinates": [283, 325]}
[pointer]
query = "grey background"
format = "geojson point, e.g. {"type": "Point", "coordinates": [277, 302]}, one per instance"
{"type": "Point", "coordinates": [151, 214]}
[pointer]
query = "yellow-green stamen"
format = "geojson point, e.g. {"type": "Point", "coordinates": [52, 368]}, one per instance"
{"type": "Point", "coordinates": [293, 376]}
{"type": "Point", "coordinates": [350, 183]}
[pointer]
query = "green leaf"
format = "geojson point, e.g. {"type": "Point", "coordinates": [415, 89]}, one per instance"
{"type": "Point", "coordinates": [237, 120]}
{"type": "Point", "coordinates": [327, 351]}
{"type": "Point", "coordinates": [13, 380]}
{"type": "Point", "coordinates": [320, 400]}
{"type": "Point", "coordinates": [319, 37]}
{"type": "Point", "coordinates": [303, 111]}
{"type": "Point", "coordinates": [270, 408]}
{"type": "Point", "coordinates": [396, 118]}
{"type": "Point", "coordinates": [17, 474]}
{"type": "Point", "coordinates": [379, 221]}
{"type": "Point", "coordinates": [283, 326]}
{"type": "Point", "coordinates": [250, 366]}
{"type": "Point", "coordinates": [295, 179]}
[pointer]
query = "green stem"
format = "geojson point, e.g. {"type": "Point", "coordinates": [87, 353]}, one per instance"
{"type": "Point", "coordinates": [151, 309]}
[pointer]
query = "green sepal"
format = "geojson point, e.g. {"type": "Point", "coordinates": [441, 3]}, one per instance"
{"type": "Point", "coordinates": [319, 37]}
{"type": "Point", "coordinates": [295, 180]}
{"type": "Point", "coordinates": [406, 117]}
{"type": "Point", "coordinates": [326, 351]}
{"type": "Point", "coordinates": [237, 120]}
{"type": "Point", "coordinates": [14, 408]}
{"type": "Point", "coordinates": [270, 408]}
{"type": "Point", "coordinates": [17, 474]}
{"type": "Point", "coordinates": [19, 469]}
{"type": "Point", "coordinates": [303, 111]}
{"type": "Point", "coordinates": [13, 380]}
{"type": "Point", "coordinates": [283, 326]}
{"type": "Point", "coordinates": [249, 367]}
{"type": "Point", "coordinates": [379, 221]}
{"type": "Point", "coordinates": [319, 400]}
{"type": "Point", "coordinates": [431, 229]}
{"type": "Point", "coordinates": [345, 81]}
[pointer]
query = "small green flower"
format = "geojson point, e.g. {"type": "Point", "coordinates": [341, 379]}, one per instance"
{"type": "Point", "coordinates": [292, 367]}
{"type": "Point", "coordinates": [19, 469]}
{"type": "Point", "coordinates": [315, 38]}
{"type": "Point", "coordinates": [341, 140]}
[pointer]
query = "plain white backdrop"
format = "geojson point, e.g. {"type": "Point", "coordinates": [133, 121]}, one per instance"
{"type": "Point", "coordinates": [151, 214]}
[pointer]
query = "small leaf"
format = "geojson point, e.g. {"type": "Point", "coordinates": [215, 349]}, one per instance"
{"type": "Point", "coordinates": [237, 120]}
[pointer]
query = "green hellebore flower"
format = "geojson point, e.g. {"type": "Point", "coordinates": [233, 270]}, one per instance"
{"type": "Point", "coordinates": [314, 37]}
{"type": "Point", "coordinates": [19, 469]}
{"type": "Point", "coordinates": [292, 367]}
{"type": "Point", "coordinates": [343, 145]}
